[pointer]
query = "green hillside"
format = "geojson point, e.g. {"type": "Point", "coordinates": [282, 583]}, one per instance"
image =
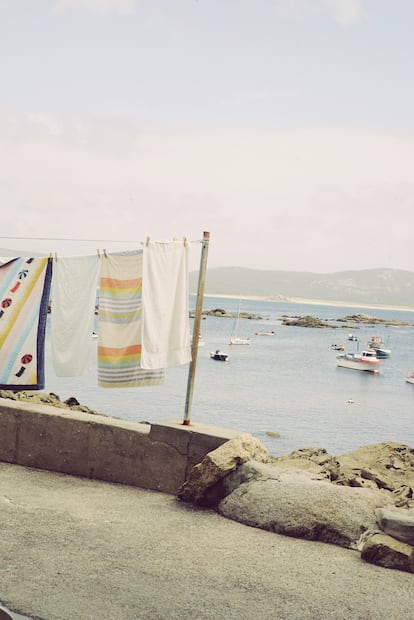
{"type": "Point", "coordinates": [391, 287]}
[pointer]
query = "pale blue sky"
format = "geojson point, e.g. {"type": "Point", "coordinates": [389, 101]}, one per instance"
{"type": "Point", "coordinates": [284, 127]}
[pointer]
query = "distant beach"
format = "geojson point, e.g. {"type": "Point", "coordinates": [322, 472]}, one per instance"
{"type": "Point", "coordinates": [314, 302]}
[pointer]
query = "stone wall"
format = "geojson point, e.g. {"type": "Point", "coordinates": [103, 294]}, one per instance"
{"type": "Point", "coordinates": [152, 456]}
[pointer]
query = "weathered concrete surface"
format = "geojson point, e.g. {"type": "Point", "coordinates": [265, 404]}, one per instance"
{"type": "Point", "coordinates": [94, 446]}
{"type": "Point", "coordinates": [77, 548]}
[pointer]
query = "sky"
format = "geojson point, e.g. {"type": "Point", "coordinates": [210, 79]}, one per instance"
{"type": "Point", "coordinates": [284, 128]}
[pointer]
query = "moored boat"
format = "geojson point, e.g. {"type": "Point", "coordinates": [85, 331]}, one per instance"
{"type": "Point", "coordinates": [219, 357]}
{"type": "Point", "coordinates": [377, 343]}
{"type": "Point", "coordinates": [235, 338]}
{"type": "Point", "coordinates": [366, 360]}
{"type": "Point", "coordinates": [410, 377]}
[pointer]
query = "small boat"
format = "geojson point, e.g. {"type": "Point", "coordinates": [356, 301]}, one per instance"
{"type": "Point", "coordinates": [219, 357]}
{"type": "Point", "coordinates": [239, 340]}
{"type": "Point", "coordinates": [352, 337]}
{"type": "Point", "coordinates": [201, 343]}
{"type": "Point", "coordinates": [410, 377]}
{"type": "Point", "coordinates": [234, 338]}
{"type": "Point", "coordinates": [366, 360]}
{"type": "Point", "coordinates": [338, 347]}
{"type": "Point", "coordinates": [377, 343]}
{"type": "Point", "coordinates": [272, 333]}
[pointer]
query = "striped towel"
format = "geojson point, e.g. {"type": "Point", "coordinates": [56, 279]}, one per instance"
{"type": "Point", "coordinates": [120, 324]}
{"type": "Point", "coordinates": [24, 297]}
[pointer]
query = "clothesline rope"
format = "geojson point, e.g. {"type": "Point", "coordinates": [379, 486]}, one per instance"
{"type": "Point", "coordinates": [92, 240]}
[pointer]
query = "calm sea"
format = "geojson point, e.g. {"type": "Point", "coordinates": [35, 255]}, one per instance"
{"type": "Point", "coordinates": [287, 384]}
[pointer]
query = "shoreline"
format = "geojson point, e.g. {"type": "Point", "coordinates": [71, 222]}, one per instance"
{"type": "Point", "coordinates": [313, 302]}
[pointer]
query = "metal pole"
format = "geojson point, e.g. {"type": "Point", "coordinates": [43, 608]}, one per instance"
{"type": "Point", "coordinates": [196, 327]}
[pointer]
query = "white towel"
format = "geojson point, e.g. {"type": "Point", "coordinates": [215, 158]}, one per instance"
{"type": "Point", "coordinates": [165, 300]}
{"type": "Point", "coordinates": [74, 286]}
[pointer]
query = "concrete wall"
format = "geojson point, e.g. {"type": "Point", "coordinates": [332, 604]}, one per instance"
{"type": "Point", "coordinates": [157, 456]}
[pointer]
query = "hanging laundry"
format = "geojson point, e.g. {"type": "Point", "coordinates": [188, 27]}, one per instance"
{"type": "Point", "coordinates": [73, 296]}
{"type": "Point", "coordinates": [165, 297]}
{"type": "Point", "coordinates": [120, 323]}
{"type": "Point", "coordinates": [24, 298]}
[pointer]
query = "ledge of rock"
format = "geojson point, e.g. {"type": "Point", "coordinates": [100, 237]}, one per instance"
{"type": "Point", "coordinates": [397, 522]}
{"type": "Point", "coordinates": [219, 463]}
{"type": "Point", "coordinates": [40, 398]}
{"type": "Point", "coordinates": [301, 504]}
{"type": "Point", "coordinates": [386, 551]}
{"type": "Point", "coordinates": [311, 494]}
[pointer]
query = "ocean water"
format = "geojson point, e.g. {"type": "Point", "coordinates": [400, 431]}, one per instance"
{"type": "Point", "coordinates": [287, 384]}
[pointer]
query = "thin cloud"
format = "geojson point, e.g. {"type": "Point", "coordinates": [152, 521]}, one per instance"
{"type": "Point", "coordinates": [344, 12]}
{"type": "Point", "coordinates": [102, 7]}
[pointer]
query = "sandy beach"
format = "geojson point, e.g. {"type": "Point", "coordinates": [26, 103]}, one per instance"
{"type": "Point", "coordinates": [314, 302]}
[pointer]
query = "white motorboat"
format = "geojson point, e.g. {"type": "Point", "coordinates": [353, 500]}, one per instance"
{"type": "Point", "coordinates": [410, 377]}
{"type": "Point", "coordinates": [366, 360]}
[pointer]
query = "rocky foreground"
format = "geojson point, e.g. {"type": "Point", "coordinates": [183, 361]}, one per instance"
{"type": "Point", "coordinates": [361, 500]}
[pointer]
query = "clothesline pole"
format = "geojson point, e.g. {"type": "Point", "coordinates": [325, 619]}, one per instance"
{"type": "Point", "coordinates": [196, 327]}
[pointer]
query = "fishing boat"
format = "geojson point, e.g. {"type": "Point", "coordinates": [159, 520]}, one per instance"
{"type": "Point", "coordinates": [219, 357]}
{"type": "Point", "coordinates": [352, 337]}
{"type": "Point", "coordinates": [338, 347]}
{"type": "Point", "coordinates": [366, 360]}
{"type": "Point", "coordinates": [271, 333]}
{"type": "Point", "coordinates": [410, 377]}
{"type": "Point", "coordinates": [377, 343]}
{"type": "Point", "coordinates": [234, 338]}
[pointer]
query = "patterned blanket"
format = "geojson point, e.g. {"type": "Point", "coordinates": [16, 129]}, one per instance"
{"type": "Point", "coordinates": [24, 296]}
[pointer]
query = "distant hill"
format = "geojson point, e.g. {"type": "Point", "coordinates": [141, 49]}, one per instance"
{"type": "Point", "coordinates": [390, 287]}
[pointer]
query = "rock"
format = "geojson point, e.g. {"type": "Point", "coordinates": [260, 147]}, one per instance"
{"type": "Point", "coordinates": [40, 398]}
{"type": "Point", "coordinates": [388, 466]}
{"type": "Point", "coordinates": [219, 463]}
{"type": "Point", "coordinates": [316, 460]}
{"type": "Point", "coordinates": [397, 522]}
{"type": "Point", "coordinates": [383, 550]}
{"type": "Point", "coordinates": [307, 321]}
{"type": "Point", "coordinates": [300, 504]}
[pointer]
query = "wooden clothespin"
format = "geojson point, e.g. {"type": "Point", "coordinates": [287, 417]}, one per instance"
{"type": "Point", "coordinates": [147, 240]}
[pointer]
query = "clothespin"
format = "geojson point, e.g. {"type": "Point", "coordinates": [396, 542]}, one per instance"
{"type": "Point", "coordinates": [105, 253]}
{"type": "Point", "coordinates": [185, 242]}
{"type": "Point", "coordinates": [147, 241]}
{"type": "Point", "coordinates": [98, 253]}
{"type": "Point", "coordinates": [56, 256]}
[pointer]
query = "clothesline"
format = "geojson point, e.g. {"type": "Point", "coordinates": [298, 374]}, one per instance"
{"type": "Point", "coordinates": [175, 239]}
{"type": "Point", "coordinates": [162, 279]}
